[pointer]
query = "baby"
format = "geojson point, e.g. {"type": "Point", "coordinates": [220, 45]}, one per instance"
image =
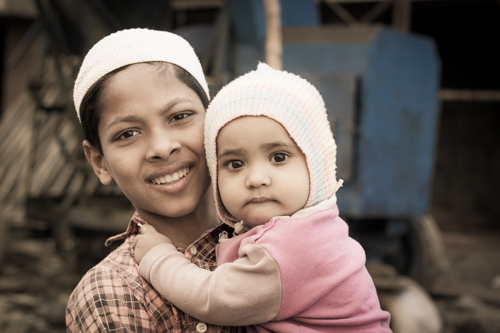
{"type": "Point", "coordinates": [290, 265]}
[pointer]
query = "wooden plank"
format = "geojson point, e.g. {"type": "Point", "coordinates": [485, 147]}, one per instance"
{"type": "Point", "coordinates": [61, 182]}
{"type": "Point", "coordinates": [463, 95]}
{"type": "Point", "coordinates": [44, 168]}
{"type": "Point", "coordinates": [15, 130]}
{"type": "Point", "coordinates": [196, 4]}
{"type": "Point", "coordinates": [15, 117]}
{"type": "Point", "coordinates": [401, 15]}
{"type": "Point", "coordinates": [11, 152]}
{"type": "Point", "coordinates": [273, 41]}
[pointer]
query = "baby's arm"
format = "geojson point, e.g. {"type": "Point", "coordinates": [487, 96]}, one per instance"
{"type": "Point", "coordinates": [244, 292]}
{"type": "Point", "coordinates": [146, 240]}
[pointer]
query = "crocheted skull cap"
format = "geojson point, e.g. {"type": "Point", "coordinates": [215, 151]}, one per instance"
{"type": "Point", "coordinates": [296, 105]}
{"type": "Point", "coordinates": [133, 46]}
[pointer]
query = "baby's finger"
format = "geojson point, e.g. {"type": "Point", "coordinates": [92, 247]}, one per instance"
{"type": "Point", "coordinates": [146, 228]}
{"type": "Point", "coordinates": [143, 228]}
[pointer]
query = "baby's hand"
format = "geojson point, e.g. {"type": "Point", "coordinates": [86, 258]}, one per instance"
{"type": "Point", "coordinates": [146, 240]}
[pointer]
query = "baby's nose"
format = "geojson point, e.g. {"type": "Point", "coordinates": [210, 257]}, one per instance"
{"type": "Point", "coordinates": [257, 178]}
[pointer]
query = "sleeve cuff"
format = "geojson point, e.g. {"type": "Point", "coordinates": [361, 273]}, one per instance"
{"type": "Point", "coordinates": [152, 256]}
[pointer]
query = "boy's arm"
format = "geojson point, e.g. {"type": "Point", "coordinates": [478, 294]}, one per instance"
{"type": "Point", "coordinates": [244, 292]}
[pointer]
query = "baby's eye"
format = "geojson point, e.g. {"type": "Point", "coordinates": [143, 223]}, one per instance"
{"type": "Point", "coordinates": [234, 164]}
{"type": "Point", "coordinates": [279, 157]}
{"type": "Point", "coordinates": [128, 134]}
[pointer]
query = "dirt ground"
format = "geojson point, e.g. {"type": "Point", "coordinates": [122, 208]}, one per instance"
{"type": "Point", "coordinates": [35, 284]}
{"type": "Point", "coordinates": [468, 293]}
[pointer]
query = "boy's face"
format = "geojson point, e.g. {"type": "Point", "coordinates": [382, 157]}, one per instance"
{"type": "Point", "coordinates": [261, 171]}
{"type": "Point", "coordinates": [151, 129]}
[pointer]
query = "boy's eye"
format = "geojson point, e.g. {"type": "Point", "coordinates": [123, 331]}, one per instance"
{"type": "Point", "coordinates": [235, 164]}
{"type": "Point", "coordinates": [128, 134]}
{"type": "Point", "coordinates": [279, 157]}
{"type": "Point", "coordinates": [179, 116]}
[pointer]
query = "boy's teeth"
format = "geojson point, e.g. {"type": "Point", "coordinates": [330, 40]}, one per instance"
{"type": "Point", "coordinates": [171, 178]}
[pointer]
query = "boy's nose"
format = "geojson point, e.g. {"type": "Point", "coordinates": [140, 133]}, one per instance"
{"type": "Point", "coordinates": [162, 146]}
{"type": "Point", "coordinates": [257, 178]}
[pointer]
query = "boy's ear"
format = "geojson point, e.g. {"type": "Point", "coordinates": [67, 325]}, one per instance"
{"type": "Point", "coordinates": [97, 161]}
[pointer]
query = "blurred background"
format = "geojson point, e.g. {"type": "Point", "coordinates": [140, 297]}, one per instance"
{"type": "Point", "coordinates": [413, 96]}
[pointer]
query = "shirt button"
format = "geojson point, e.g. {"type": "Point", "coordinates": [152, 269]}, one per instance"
{"type": "Point", "coordinates": [201, 327]}
{"type": "Point", "coordinates": [193, 250]}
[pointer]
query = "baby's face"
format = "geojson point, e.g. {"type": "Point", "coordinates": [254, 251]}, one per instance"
{"type": "Point", "coordinates": [261, 171]}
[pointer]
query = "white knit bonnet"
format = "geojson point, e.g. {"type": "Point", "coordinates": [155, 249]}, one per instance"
{"type": "Point", "coordinates": [133, 46]}
{"type": "Point", "coordinates": [296, 105]}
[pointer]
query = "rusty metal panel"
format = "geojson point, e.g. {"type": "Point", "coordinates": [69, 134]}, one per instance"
{"type": "Point", "coordinates": [393, 127]}
{"type": "Point", "coordinates": [399, 112]}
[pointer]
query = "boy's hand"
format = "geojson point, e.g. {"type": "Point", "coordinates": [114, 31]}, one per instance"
{"type": "Point", "coordinates": [146, 240]}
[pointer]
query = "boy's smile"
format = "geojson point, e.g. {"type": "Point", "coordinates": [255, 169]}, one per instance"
{"type": "Point", "coordinates": [170, 178]}
{"type": "Point", "coordinates": [261, 171]}
{"type": "Point", "coordinates": [151, 130]}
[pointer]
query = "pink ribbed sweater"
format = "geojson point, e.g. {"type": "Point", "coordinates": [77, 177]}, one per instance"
{"type": "Point", "coordinates": [293, 274]}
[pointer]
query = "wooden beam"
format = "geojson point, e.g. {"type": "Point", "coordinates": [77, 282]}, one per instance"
{"type": "Point", "coordinates": [375, 12]}
{"type": "Point", "coordinates": [462, 95]}
{"type": "Point", "coordinates": [196, 4]}
{"type": "Point", "coordinates": [273, 43]}
{"type": "Point", "coordinates": [401, 15]}
{"type": "Point", "coordinates": [342, 13]}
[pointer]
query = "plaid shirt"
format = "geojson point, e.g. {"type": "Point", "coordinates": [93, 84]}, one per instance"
{"type": "Point", "coordinates": [113, 297]}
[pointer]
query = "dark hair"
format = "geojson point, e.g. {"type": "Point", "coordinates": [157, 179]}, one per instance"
{"type": "Point", "coordinates": [91, 103]}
